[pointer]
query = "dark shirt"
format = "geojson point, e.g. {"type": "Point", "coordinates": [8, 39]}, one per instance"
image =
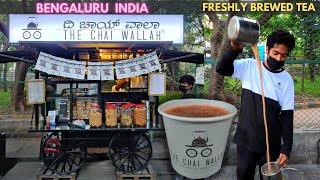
{"type": "Point", "coordinates": [188, 95]}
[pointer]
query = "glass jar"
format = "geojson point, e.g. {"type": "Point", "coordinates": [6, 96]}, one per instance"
{"type": "Point", "coordinates": [95, 117]}
{"type": "Point", "coordinates": [111, 115]}
{"type": "Point", "coordinates": [81, 109]}
{"type": "Point", "coordinates": [126, 117]}
{"type": "Point", "coordinates": [140, 115]}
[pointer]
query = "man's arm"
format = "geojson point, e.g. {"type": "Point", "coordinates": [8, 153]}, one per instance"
{"type": "Point", "coordinates": [287, 131]}
{"type": "Point", "coordinates": [225, 65]}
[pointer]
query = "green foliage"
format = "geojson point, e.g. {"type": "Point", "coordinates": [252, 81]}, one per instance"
{"type": "Point", "coordinates": [232, 85]}
{"type": "Point", "coordinates": [310, 88]}
{"type": "Point", "coordinates": [4, 99]}
{"type": "Point", "coordinates": [207, 33]}
{"type": "Point", "coordinates": [206, 86]}
{"type": "Point", "coordinates": [305, 27]}
{"type": "Point", "coordinates": [171, 95]}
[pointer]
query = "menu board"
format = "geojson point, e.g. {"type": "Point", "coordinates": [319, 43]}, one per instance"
{"type": "Point", "coordinates": [142, 66]}
{"type": "Point", "coordinates": [36, 91]}
{"type": "Point", "coordinates": [133, 68]}
{"type": "Point", "coordinates": [93, 71]}
{"type": "Point", "coordinates": [66, 68]}
{"type": "Point", "coordinates": [54, 66]}
{"type": "Point", "coordinates": [43, 62]}
{"type": "Point", "coordinates": [157, 84]}
{"type": "Point", "coordinates": [78, 69]}
{"type": "Point", "coordinates": [122, 69]}
{"type": "Point", "coordinates": [106, 71]}
{"type": "Point", "coordinates": [152, 61]}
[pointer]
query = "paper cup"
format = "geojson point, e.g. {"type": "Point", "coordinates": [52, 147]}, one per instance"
{"type": "Point", "coordinates": [197, 145]}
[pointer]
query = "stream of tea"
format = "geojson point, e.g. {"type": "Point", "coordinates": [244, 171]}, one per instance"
{"type": "Point", "coordinates": [257, 57]}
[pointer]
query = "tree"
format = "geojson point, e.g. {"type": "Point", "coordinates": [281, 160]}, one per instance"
{"type": "Point", "coordinates": [4, 47]}
{"type": "Point", "coordinates": [193, 30]}
{"type": "Point", "coordinates": [306, 37]}
{"type": "Point", "coordinates": [310, 33]}
{"type": "Point", "coordinates": [17, 98]}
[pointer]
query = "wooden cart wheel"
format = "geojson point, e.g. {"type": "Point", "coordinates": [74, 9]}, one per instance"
{"type": "Point", "coordinates": [130, 152]}
{"type": "Point", "coordinates": [63, 153]}
{"type": "Point", "coordinates": [43, 138]}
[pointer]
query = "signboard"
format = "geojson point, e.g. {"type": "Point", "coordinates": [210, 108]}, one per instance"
{"type": "Point", "coordinates": [36, 91]}
{"type": "Point", "coordinates": [91, 8]}
{"type": "Point", "coordinates": [96, 28]}
{"type": "Point", "coordinates": [200, 75]}
{"type": "Point", "coordinates": [157, 84]}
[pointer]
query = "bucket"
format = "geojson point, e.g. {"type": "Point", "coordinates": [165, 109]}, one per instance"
{"type": "Point", "coordinates": [197, 144]}
{"type": "Point", "coordinates": [243, 30]}
{"type": "Point", "coordinates": [273, 171]}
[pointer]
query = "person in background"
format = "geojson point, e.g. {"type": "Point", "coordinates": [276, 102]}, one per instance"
{"type": "Point", "coordinates": [186, 85]}
{"type": "Point", "coordinates": [279, 98]}
{"type": "Point", "coordinates": [120, 85]}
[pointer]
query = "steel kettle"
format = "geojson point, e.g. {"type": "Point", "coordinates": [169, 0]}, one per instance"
{"type": "Point", "coordinates": [243, 30]}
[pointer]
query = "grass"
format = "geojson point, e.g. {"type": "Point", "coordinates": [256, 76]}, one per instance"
{"type": "Point", "coordinates": [4, 99]}
{"type": "Point", "coordinates": [310, 88]}
{"type": "Point", "coordinates": [170, 95]}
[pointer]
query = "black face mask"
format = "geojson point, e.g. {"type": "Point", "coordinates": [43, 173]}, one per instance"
{"type": "Point", "coordinates": [183, 88]}
{"type": "Point", "coordinates": [274, 65]}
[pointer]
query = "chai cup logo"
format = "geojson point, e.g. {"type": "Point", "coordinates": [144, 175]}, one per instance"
{"type": "Point", "coordinates": [199, 145]}
{"type": "Point", "coordinates": [32, 30]}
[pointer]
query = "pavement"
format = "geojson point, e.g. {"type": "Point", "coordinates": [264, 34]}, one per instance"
{"type": "Point", "coordinates": [26, 150]}
{"type": "Point", "coordinates": [105, 170]}
{"type": "Point", "coordinates": [23, 148]}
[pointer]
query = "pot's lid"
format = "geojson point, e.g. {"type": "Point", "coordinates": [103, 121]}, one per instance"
{"type": "Point", "coordinates": [233, 28]}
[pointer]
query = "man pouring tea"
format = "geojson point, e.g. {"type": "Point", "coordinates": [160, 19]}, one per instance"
{"type": "Point", "coordinates": [278, 93]}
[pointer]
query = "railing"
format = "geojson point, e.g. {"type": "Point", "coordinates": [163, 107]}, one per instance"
{"type": "Point", "coordinates": [307, 107]}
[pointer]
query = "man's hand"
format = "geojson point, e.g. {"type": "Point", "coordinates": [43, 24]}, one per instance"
{"type": "Point", "coordinates": [282, 160]}
{"type": "Point", "coordinates": [236, 46]}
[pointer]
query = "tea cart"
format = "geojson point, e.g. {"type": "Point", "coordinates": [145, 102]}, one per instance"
{"type": "Point", "coordinates": [63, 149]}
{"type": "Point", "coordinates": [64, 143]}
{"type": "Point", "coordinates": [64, 146]}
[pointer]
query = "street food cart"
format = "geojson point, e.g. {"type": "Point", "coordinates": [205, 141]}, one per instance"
{"type": "Point", "coordinates": [77, 102]}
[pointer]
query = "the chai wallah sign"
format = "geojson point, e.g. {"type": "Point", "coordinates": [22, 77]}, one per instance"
{"type": "Point", "coordinates": [95, 28]}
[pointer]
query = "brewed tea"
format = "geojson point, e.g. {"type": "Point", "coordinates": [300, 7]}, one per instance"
{"type": "Point", "coordinates": [197, 111]}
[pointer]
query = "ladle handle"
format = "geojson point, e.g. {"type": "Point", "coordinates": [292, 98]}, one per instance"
{"type": "Point", "coordinates": [288, 168]}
